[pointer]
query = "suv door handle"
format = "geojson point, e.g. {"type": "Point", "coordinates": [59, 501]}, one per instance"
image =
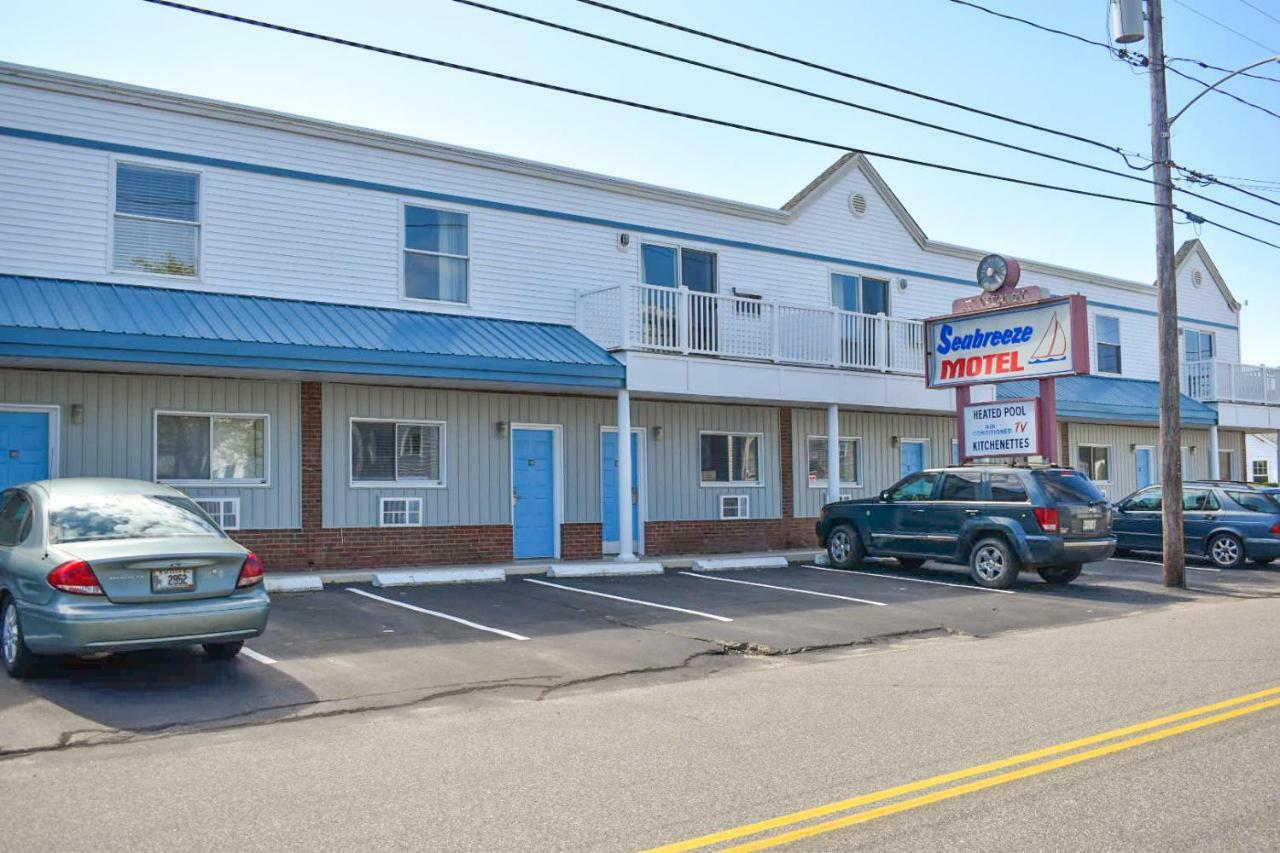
{"type": "Point", "coordinates": [971, 512]}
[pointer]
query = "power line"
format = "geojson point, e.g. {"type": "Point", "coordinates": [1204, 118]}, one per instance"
{"type": "Point", "coordinates": [1202, 177]}
{"type": "Point", "coordinates": [1260, 11]}
{"type": "Point", "coordinates": [777, 134]}
{"type": "Point", "coordinates": [1131, 56]}
{"type": "Point", "coordinates": [831, 99]}
{"type": "Point", "coordinates": [902, 90]}
{"type": "Point", "coordinates": [1193, 10]}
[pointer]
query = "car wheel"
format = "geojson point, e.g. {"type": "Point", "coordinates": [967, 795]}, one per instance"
{"type": "Point", "coordinates": [910, 563]}
{"type": "Point", "coordinates": [993, 564]}
{"type": "Point", "coordinates": [18, 659]}
{"type": "Point", "coordinates": [844, 548]}
{"type": "Point", "coordinates": [222, 651]}
{"type": "Point", "coordinates": [1225, 551]}
{"type": "Point", "coordinates": [1060, 575]}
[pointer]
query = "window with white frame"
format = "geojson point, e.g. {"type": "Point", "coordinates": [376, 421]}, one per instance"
{"type": "Point", "coordinates": [1094, 461]}
{"type": "Point", "coordinates": [859, 294]}
{"type": "Point", "coordinates": [735, 506]}
{"type": "Point", "coordinates": [730, 458]}
{"type": "Point", "coordinates": [676, 266]}
{"type": "Point", "coordinates": [1107, 343]}
{"type": "Point", "coordinates": [155, 223]}
{"type": "Point", "coordinates": [437, 257]}
{"type": "Point", "coordinates": [397, 452]}
{"type": "Point", "coordinates": [400, 512]}
{"type": "Point", "coordinates": [1261, 471]}
{"type": "Point", "coordinates": [850, 455]}
{"type": "Point", "coordinates": [224, 511]}
{"type": "Point", "coordinates": [1197, 345]}
{"type": "Point", "coordinates": [218, 449]}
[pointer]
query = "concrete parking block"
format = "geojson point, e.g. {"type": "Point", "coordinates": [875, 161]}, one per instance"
{"type": "Point", "coordinates": [294, 583]}
{"type": "Point", "coordinates": [727, 563]}
{"type": "Point", "coordinates": [418, 577]}
{"type": "Point", "coordinates": [607, 568]}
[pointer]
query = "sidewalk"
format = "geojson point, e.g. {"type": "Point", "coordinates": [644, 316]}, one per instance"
{"type": "Point", "coordinates": [299, 581]}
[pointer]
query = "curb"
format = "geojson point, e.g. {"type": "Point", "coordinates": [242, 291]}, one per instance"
{"type": "Point", "coordinates": [720, 565]}
{"type": "Point", "coordinates": [601, 570]}
{"type": "Point", "coordinates": [421, 577]}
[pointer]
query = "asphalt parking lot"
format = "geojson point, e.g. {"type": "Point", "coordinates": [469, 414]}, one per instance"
{"type": "Point", "coordinates": [356, 647]}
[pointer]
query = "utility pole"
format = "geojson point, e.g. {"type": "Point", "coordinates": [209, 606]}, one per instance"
{"type": "Point", "coordinates": [1126, 20]}
{"type": "Point", "coordinates": [1167, 308]}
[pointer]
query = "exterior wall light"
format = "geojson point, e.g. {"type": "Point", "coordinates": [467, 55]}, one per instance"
{"type": "Point", "coordinates": [656, 432]}
{"type": "Point", "coordinates": [500, 429]}
{"type": "Point", "coordinates": [894, 441]}
{"type": "Point", "coordinates": [77, 414]}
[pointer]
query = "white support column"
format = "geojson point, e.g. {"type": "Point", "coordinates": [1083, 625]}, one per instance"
{"type": "Point", "coordinates": [1273, 475]}
{"type": "Point", "coordinates": [625, 546]}
{"type": "Point", "coordinates": [833, 453]}
{"type": "Point", "coordinates": [1215, 472]}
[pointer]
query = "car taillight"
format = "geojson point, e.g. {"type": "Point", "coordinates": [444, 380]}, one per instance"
{"type": "Point", "coordinates": [1048, 518]}
{"type": "Point", "coordinates": [250, 572]}
{"type": "Point", "coordinates": [75, 577]}
{"type": "Point", "coordinates": [1275, 529]}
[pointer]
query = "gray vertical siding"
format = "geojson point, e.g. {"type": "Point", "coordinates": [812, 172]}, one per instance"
{"type": "Point", "coordinates": [879, 461]}
{"type": "Point", "coordinates": [115, 437]}
{"type": "Point", "coordinates": [1124, 461]}
{"type": "Point", "coordinates": [477, 468]}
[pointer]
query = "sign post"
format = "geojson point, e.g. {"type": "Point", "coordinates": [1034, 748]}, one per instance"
{"type": "Point", "coordinates": [1005, 335]}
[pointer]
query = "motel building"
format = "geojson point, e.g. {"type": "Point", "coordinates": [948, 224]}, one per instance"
{"type": "Point", "coordinates": [357, 349]}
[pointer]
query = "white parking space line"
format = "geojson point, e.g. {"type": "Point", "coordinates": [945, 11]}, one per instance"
{"type": "Point", "coordinates": [630, 600]}
{"type": "Point", "coordinates": [1155, 563]}
{"type": "Point", "coordinates": [786, 589]}
{"type": "Point", "coordinates": [407, 606]}
{"type": "Point", "coordinates": [258, 656]}
{"type": "Point", "coordinates": [913, 580]}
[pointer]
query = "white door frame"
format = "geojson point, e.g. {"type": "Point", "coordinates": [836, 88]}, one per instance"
{"type": "Point", "coordinates": [55, 429]}
{"type": "Point", "coordinates": [557, 473]}
{"type": "Point", "coordinates": [638, 465]}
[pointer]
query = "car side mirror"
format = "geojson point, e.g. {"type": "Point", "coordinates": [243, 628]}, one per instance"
{"type": "Point", "coordinates": [1118, 508]}
{"type": "Point", "coordinates": [884, 496]}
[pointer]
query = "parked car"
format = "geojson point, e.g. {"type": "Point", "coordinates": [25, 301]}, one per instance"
{"type": "Point", "coordinates": [997, 519]}
{"type": "Point", "coordinates": [100, 565]}
{"type": "Point", "coordinates": [1224, 521]}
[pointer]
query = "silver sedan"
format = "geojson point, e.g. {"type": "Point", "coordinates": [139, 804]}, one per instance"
{"type": "Point", "coordinates": [99, 565]}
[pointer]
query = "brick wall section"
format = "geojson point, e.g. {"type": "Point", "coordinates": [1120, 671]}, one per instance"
{"type": "Point", "coordinates": [787, 477]}
{"type": "Point", "coordinates": [374, 547]}
{"type": "Point", "coordinates": [312, 441]}
{"type": "Point", "coordinates": [1064, 439]}
{"type": "Point", "coordinates": [710, 537]}
{"type": "Point", "coordinates": [581, 541]}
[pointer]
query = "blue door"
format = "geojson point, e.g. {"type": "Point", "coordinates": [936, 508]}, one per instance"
{"type": "Point", "coordinates": [1145, 477]}
{"type": "Point", "coordinates": [533, 492]}
{"type": "Point", "coordinates": [609, 487]}
{"type": "Point", "coordinates": [24, 447]}
{"type": "Point", "coordinates": [912, 453]}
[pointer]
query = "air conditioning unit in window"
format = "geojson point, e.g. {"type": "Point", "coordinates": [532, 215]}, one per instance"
{"type": "Point", "coordinates": [735, 506]}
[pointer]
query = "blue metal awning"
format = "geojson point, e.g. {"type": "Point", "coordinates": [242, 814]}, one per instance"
{"type": "Point", "coordinates": [94, 321]}
{"type": "Point", "coordinates": [1109, 398]}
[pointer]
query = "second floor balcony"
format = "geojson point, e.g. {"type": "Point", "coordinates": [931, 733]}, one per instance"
{"type": "Point", "coordinates": [1227, 382]}
{"type": "Point", "coordinates": [682, 321]}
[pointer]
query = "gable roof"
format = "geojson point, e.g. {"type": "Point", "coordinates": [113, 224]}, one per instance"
{"type": "Point", "coordinates": [1194, 245]}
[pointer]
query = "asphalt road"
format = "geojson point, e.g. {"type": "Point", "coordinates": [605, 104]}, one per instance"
{"type": "Point", "coordinates": [621, 726]}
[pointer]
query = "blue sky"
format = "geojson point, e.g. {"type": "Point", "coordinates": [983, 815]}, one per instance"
{"type": "Point", "coordinates": [930, 45]}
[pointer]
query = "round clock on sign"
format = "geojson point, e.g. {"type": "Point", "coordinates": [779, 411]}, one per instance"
{"type": "Point", "coordinates": [996, 272]}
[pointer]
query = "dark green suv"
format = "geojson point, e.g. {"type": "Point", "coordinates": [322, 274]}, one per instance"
{"type": "Point", "coordinates": [997, 519]}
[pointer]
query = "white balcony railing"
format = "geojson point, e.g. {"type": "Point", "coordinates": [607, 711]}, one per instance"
{"type": "Point", "coordinates": [1222, 381]}
{"type": "Point", "coordinates": [664, 319]}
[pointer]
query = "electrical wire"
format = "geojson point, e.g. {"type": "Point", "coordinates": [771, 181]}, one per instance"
{"type": "Point", "coordinates": [1193, 10]}
{"type": "Point", "coordinates": [831, 99]}
{"type": "Point", "coordinates": [777, 134]}
{"type": "Point", "coordinates": [1261, 11]}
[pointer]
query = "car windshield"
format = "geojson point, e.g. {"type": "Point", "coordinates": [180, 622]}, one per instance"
{"type": "Point", "coordinates": [1068, 487]}
{"type": "Point", "coordinates": [99, 517]}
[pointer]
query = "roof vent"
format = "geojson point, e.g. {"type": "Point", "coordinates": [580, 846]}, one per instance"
{"type": "Point", "coordinates": [1197, 278]}
{"type": "Point", "coordinates": [858, 204]}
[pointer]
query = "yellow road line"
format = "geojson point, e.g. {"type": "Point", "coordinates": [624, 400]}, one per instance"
{"type": "Point", "coordinates": [991, 782]}
{"type": "Point", "coordinates": [954, 776]}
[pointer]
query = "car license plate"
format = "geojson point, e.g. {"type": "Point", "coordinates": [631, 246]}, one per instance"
{"type": "Point", "coordinates": [173, 580]}
{"type": "Point", "coordinates": [1091, 524]}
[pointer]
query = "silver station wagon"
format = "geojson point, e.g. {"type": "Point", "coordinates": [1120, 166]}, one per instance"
{"type": "Point", "coordinates": [99, 565]}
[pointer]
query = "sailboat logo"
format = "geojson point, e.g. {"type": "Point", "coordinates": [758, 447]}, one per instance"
{"type": "Point", "coordinates": [1052, 346]}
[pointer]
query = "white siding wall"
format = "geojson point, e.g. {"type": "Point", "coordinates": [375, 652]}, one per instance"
{"type": "Point", "coordinates": [115, 437]}
{"type": "Point", "coordinates": [285, 237]}
{"type": "Point", "coordinates": [1124, 461]}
